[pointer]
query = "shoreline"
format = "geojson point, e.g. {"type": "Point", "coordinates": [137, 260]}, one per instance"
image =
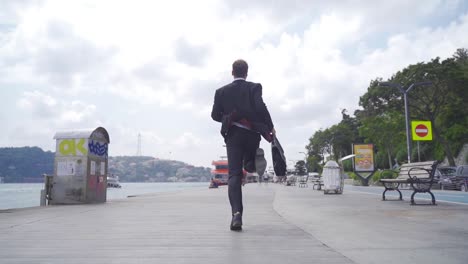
{"type": "Point", "coordinates": [29, 196]}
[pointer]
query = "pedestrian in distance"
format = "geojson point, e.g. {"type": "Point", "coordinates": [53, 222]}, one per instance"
{"type": "Point", "coordinates": [244, 119]}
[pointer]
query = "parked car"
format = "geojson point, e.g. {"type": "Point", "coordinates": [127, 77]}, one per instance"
{"type": "Point", "coordinates": [461, 178]}
{"type": "Point", "coordinates": [455, 178]}
{"type": "Point", "coordinates": [443, 176]}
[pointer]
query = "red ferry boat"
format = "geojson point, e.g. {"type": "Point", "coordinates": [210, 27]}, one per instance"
{"type": "Point", "coordinates": [220, 173]}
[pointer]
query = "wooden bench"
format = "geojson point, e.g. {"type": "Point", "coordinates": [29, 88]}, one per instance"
{"type": "Point", "coordinates": [420, 175]}
{"type": "Point", "coordinates": [303, 181]}
{"type": "Point", "coordinates": [317, 182]}
{"type": "Point", "coordinates": [291, 181]}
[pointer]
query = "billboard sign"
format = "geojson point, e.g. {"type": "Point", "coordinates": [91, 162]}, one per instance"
{"type": "Point", "coordinates": [364, 159]}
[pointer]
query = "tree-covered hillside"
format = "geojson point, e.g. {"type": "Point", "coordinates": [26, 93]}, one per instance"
{"type": "Point", "coordinates": [28, 164]}
{"type": "Point", "coordinates": [149, 169]}
{"type": "Point", "coordinates": [25, 164]}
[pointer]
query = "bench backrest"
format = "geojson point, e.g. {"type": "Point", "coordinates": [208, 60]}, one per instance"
{"type": "Point", "coordinates": [405, 168]}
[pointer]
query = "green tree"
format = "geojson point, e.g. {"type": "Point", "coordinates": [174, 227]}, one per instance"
{"type": "Point", "coordinates": [344, 134]}
{"type": "Point", "coordinates": [443, 103]}
{"type": "Point", "coordinates": [319, 145]}
{"type": "Point", "coordinates": [386, 132]}
{"type": "Point", "coordinates": [381, 120]}
{"type": "Point", "coordinates": [300, 168]}
{"type": "Point", "coordinates": [335, 141]}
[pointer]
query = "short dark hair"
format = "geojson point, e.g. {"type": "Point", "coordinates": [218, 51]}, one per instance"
{"type": "Point", "coordinates": [240, 68]}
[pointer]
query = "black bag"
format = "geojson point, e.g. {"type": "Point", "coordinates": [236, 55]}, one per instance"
{"type": "Point", "coordinates": [226, 122]}
{"type": "Point", "coordinates": [279, 160]}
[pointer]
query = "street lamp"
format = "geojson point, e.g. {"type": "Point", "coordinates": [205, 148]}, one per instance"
{"type": "Point", "coordinates": [305, 157]}
{"type": "Point", "coordinates": [405, 98]}
{"type": "Point", "coordinates": [305, 154]}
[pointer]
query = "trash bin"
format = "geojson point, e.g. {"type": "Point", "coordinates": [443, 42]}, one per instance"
{"type": "Point", "coordinates": [332, 176]}
{"type": "Point", "coordinates": [80, 167]}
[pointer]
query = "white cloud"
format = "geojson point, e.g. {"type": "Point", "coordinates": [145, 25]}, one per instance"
{"type": "Point", "coordinates": [60, 112]}
{"type": "Point", "coordinates": [151, 67]}
{"type": "Point", "coordinates": [77, 112]}
{"type": "Point", "coordinates": [187, 140]}
{"type": "Point", "coordinates": [35, 98]}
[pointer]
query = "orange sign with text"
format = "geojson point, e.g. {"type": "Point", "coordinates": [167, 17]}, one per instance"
{"type": "Point", "coordinates": [364, 159]}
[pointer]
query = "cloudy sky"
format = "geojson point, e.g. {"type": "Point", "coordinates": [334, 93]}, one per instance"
{"type": "Point", "coordinates": [151, 67]}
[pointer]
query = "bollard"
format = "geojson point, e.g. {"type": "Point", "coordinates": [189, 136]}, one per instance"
{"type": "Point", "coordinates": [43, 198]}
{"type": "Point", "coordinates": [45, 193]}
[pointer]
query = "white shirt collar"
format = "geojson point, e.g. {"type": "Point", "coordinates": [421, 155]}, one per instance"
{"type": "Point", "coordinates": [239, 78]}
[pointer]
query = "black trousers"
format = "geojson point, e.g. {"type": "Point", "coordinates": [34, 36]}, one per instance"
{"type": "Point", "coordinates": [241, 146]}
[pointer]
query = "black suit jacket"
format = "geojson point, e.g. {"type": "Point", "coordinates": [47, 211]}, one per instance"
{"type": "Point", "coordinates": [244, 98]}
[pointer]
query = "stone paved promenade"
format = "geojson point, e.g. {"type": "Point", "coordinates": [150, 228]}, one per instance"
{"type": "Point", "coordinates": [281, 225]}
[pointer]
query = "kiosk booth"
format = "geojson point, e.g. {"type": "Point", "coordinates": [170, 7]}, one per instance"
{"type": "Point", "coordinates": [80, 167]}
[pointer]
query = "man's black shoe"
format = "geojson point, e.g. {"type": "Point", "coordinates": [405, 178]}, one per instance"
{"type": "Point", "coordinates": [236, 223]}
{"type": "Point", "coordinates": [249, 166]}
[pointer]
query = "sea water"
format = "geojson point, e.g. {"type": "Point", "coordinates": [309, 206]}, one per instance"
{"type": "Point", "coordinates": [21, 195]}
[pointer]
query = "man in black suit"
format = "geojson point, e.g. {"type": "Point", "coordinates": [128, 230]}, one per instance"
{"type": "Point", "coordinates": [244, 116]}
